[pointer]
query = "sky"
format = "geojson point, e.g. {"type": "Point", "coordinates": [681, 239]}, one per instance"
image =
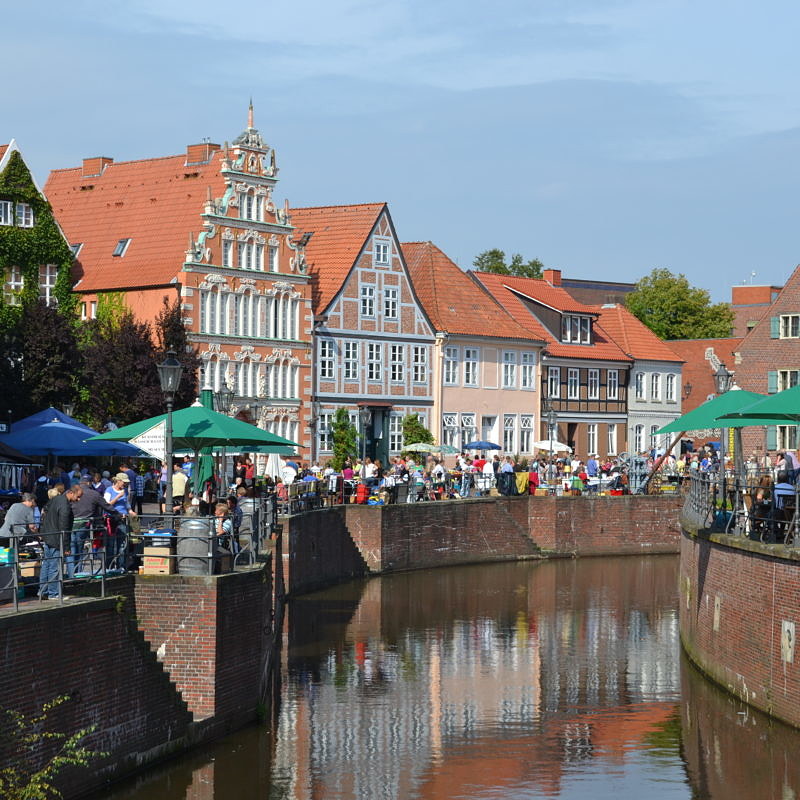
{"type": "Point", "coordinates": [604, 137]}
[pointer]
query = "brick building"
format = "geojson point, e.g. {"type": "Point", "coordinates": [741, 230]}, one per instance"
{"type": "Point", "coordinates": [749, 304]}
{"type": "Point", "coordinates": [201, 226]}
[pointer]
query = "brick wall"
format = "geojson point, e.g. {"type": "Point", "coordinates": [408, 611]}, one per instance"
{"type": "Point", "coordinates": [736, 598]}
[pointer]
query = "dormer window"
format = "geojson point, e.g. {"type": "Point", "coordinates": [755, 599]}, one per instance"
{"type": "Point", "coordinates": [576, 329]}
{"type": "Point", "coordinates": [122, 246]}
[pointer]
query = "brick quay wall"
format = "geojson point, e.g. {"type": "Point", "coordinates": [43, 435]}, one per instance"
{"type": "Point", "coordinates": [342, 542]}
{"type": "Point", "coordinates": [739, 615]}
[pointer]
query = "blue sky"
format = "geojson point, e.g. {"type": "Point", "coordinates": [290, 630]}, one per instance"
{"type": "Point", "coordinates": [605, 137]}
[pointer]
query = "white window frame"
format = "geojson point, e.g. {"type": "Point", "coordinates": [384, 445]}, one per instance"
{"type": "Point", "coordinates": [593, 386]}
{"type": "Point", "coordinates": [397, 362]}
{"type": "Point", "coordinates": [351, 361]}
{"type": "Point", "coordinates": [528, 371]}
{"type": "Point", "coordinates": [787, 438]}
{"type": "Point", "coordinates": [591, 438]}
{"type": "Point", "coordinates": [374, 361]}
{"type": "Point", "coordinates": [509, 432]}
{"type": "Point", "coordinates": [324, 433]}
{"type": "Point", "coordinates": [48, 274]}
{"type": "Point", "coordinates": [6, 212]}
{"type": "Point", "coordinates": [381, 252]}
{"type": "Point", "coordinates": [367, 295]}
{"type": "Point", "coordinates": [638, 439]}
{"type": "Point", "coordinates": [509, 369]}
{"type": "Point", "coordinates": [573, 383]}
{"type": "Point", "coordinates": [554, 382]}
{"type": "Point", "coordinates": [450, 372]}
{"type": "Point", "coordinates": [790, 326]}
{"type": "Point", "coordinates": [24, 215]}
{"type": "Point", "coordinates": [419, 364]}
{"type": "Point", "coordinates": [576, 329]}
{"type": "Point", "coordinates": [121, 248]}
{"type": "Point", "coordinates": [639, 386]}
{"type": "Point", "coordinates": [468, 428]}
{"type": "Point", "coordinates": [471, 366]}
{"type": "Point", "coordinates": [612, 385]}
{"type": "Point", "coordinates": [13, 286]}
{"type": "Point", "coordinates": [395, 433]}
{"type": "Point", "coordinates": [526, 429]}
{"type": "Point", "coordinates": [787, 378]}
{"type": "Point", "coordinates": [390, 302]}
{"type": "Point", "coordinates": [670, 388]}
{"type": "Point", "coordinates": [327, 360]}
{"type": "Point", "coordinates": [655, 386]}
{"type": "Point", "coordinates": [273, 258]}
{"type": "Point", "coordinates": [450, 429]}
{"type": "Point", "coordinates": [227, 253]}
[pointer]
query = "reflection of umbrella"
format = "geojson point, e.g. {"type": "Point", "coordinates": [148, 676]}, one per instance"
{"type": "Point", "coordinates": [195, 427]}
{"type": "Point", "coordinates": [61, 439]}
{"type": "Point", "coordinates": [482, 446]}
{"type": "Point", "coordinates": [557, 447]}
{"type": "Point", "coordinates": [781, 407]}
{"type": "Point", "coordinates": [707, 415]}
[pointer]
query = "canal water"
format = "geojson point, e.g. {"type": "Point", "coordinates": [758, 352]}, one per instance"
{"type": "Point", "coordinates": [557, 679]}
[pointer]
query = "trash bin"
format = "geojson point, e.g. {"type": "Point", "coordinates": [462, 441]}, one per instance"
{"type": "Point", "coordinates": [193, 547]}
{"type": "Point", "coordinates": [248, 527]}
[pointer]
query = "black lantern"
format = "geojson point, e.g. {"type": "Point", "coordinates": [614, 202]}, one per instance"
{"type": "Point", "coordinates": [723, 379]}
{"type": "Point", "coordinates": [223, 399]}
{"type": "Point", "coordinates": [169, 373]}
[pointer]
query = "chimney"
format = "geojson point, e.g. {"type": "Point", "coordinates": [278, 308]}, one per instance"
{"type": "Point", "coordinates": [552, 276]}
{"type": "Point", "coordinates": [95, 166]}
{"type": "Point", "coordinates": [200, 153]}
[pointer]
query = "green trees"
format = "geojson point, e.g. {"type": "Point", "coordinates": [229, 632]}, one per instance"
{"type": "Point", "coordinates": [673, 309]}
{"type": "Point", "coordinates": [345, 438]}
{"type": "Point", "coordinates": [414, 431]}
{"type": "Point", "coordinates": [495, 261]}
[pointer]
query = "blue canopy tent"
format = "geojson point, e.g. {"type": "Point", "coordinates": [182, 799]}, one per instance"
{"type": "Point", "coordinates": [48, 415]}
{"type": "Point", "coordinates": [56, 438]}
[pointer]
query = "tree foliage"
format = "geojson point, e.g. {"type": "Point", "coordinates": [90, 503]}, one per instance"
{"type": "Point", "coordinates": [345, 438]}
{"type": "Point", "coordinates": [673, 309]}
{"type": "Point", "coordinates": [414, 431]}
{"type": "Point", "coordinates": [495, 261]}
{"type": "Point", "coordinates": [171, 334]}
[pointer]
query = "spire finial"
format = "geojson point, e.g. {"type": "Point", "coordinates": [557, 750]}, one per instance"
{"type": "Point", "coordinates": [250, 115]}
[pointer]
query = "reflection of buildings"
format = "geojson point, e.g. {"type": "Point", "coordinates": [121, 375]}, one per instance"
{"type": "Point", "coordinates": [487, 677]}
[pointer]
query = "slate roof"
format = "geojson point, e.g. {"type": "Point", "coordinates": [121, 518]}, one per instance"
{"type": "Point", "coordinates": [155, 203]}
{"type": "Point", "coordinates": [340, 233]}
{"type": "Point", "coordinates": [507, 290]}
{"type": "Point", "coordinates": [633, 336]}
{"type": "Point", "coordinates": [452, 300]}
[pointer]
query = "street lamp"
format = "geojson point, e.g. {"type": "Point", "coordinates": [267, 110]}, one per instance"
{"type": "Point", "coordinates": [68, 409]}
{"type": "Point", "coordinates": [687, 389]}
{"type": "Point", "coordinates": [364, 415]}
{"type": "Point", "coordinates": [723, 379]}
{"type": "Point", "coordinates": [169, 374]}
{"type": "Point", "coordinates": [223, 399]}
{"type": "Point", "coordinates": [313, 422]}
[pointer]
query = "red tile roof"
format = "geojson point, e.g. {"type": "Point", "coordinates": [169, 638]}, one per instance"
{"type": "Point", "coordinates": [632, 335]}
{"type": "Point", "coordinates": [3, 148]}
{"type": "Point", "coordinates": [340, 233]}
{"type": "Point", "coordinates": [155, 203]}
{"type": "Point", "coordinates": [453, 301]}
{"type": "Point", "coordinates": [507, 290]}
{"type": "Point", "coordinates": [697, 369]}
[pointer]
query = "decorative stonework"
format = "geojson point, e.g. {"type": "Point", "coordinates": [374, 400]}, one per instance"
{"type": "Point", "coordinates": [282, 355]}
{"type": "Point", "coordinates": [212, 279]}
{"type": "Point", "coordinates": [273, 241]}
{"type": "Point", "coordinates": [227, 234]}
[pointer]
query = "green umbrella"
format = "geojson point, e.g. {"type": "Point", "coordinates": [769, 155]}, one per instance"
{"type": "Point", "coordinates": [196, 427]}
{"type": "Point", "coordinates": [708, 415]}
{"type": "Point", "coordinates": [205, 466]}
{"type": "Point", "coordinates": [781, 407]}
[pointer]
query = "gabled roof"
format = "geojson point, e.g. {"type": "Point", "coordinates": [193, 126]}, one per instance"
{"type": "Point", "coordinates": [3, 148]}
{"type": "Point", "coordinates": [785, 295]}
{"type": "Point", "coordinates": [698, 371]}
{"type": "Point", "coordinates": [155, 203]}
{"type": "Point", "coordinates": [510, 293]}
{"type": "Point", "coordinates": [633, 336]}
{"type": "Point", "coordinates": [455, 303]}
{"type": "Point", "coordinates": [340, 233]}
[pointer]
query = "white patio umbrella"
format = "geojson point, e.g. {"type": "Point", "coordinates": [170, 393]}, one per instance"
{"type": "Point", "coordinates": [557, 447]}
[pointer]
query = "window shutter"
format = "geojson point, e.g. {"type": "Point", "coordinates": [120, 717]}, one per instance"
{"type": "Point", "coordinates": [772, 382]}
{"type": "Point", "coordinates": [772, 437]}
{"type": "Point", "coordinates": [774, 327]}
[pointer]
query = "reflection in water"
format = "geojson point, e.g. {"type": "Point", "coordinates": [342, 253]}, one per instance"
{"type": "Point", "coordinates": [558, 679]}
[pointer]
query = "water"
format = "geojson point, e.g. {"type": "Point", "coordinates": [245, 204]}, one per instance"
{"type": "Point", "coordinates": [560, 679]}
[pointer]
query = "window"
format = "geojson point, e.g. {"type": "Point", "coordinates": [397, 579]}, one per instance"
{"type": "Point", "coordinates": [670, 387]}
{"type": "Point", "coordinates": [24, 215]}
{"type": "Point", "coordinates": [390, 303]}
{"type": "Point", "coordinates": [655, 386]}
{"type": "Point", "coordinates": [122, 246]}
{"type": "Point", "coordinates": [787, 437]}
{"type": "Point", "coordinates": [245, 255]}
{"type": "Point", "coordinates": [76, 248]}
{"type": "Point", "coordinates": [227, 250]}
{"type": "Point", "coordinates": [470, 366]}
{"type": "Point", "coordinates": [554, 382]}
{"type": "Point", "coordinates": [12, 286]}
{"type": "Point", "coordinates": [258, 261]}
{"type": "Point", "coordinates": [591, 438]}
{"type": "Point", "coordinates": [420, 364]}
{"type": "Point", "coordinates": [528, 370]}
{"type": "Point", "coordinates": [653, 437]}
{"type": "Point", "coordinates": [47, 282]}
{"type": "Point", "coordinates": [450, 429]}
{"type": "Point", "coordinates": [509, 369]}
{"type": "Point", "coordinates": [351, 361]}
{"type": "Point", "coordinates": [594, 384]}
{"type": "Point", "coordinates": [612, 440]}
{"type": "Point", "coordinates": [612, 390]}
{"type": "Point", "coordinates": [451, 366]}
{"type": "Point", "coordinates": [273, 259]}
{"type": "Point", "coordinates": [6, 212]}
{"type": "Point", "coordinates": [638, 438]}
{"type": "Point", "coordinates": [324, 434]}
{"type": "Point", "coordinates": [575, 329]}
{"type": "Point", "coordinates": [374, 357]}
{"type": "Point", "coordinates": [790, 326]}
{"type": "Point", "coordinates": [573, 384]}
{"type": "Point", "coordinates": [381, 252]}
{"type": "Point", "coordinates": [525, 433]}
{"type": "Point", "coordinates": [326, 359]}
{"type": "Point", "coordinates": [638, 385]}
{"type": "Point", "coordinates": [787, 378]}
{"type": "Point", "coordinates": [467, 428]}
{"type": "Point", "coordinates": [395, 433]}
{"type": "Point", "coordinates": [509, 432]}
{"type": "Point", "coordinates": [93, 309]}
{"type": "Point", "coordinates": [396, 362]}
{"type": "Point", "coordinates": [367, 301]}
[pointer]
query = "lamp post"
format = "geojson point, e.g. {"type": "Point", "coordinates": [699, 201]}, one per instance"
{"type": "Point", "coordinates": [364, 416]}
{"type": "Point", "coordinates": [169, 374]}
{"type": "Point", "coordinates": [313, 423]}
{"type": "Point", "coordinates": [723, 379]}
{"type": "Point", "coordinates": [223, 400]}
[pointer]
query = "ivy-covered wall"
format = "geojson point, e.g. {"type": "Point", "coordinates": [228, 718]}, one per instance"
{"type": "Point", "coordinates": [31, 248]}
